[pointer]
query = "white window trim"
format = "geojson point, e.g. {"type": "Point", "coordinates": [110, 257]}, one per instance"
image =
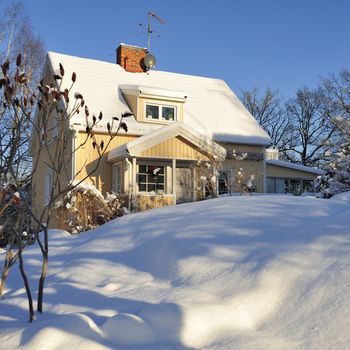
{"type": "Point", "coordinates": [117, 178]}
{"type": "Point", "coordinates": [160, 106]}
{"type": "Point", "coordinates": [48, 186]}
{"type": "Point", "coordinates": [164, 178]}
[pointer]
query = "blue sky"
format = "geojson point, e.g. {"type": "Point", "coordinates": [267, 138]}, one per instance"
{"type": "Point", "coordinates": [283, 44]}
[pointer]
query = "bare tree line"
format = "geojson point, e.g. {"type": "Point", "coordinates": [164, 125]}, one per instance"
{"type": "Point", "coordinates": [307, 128]}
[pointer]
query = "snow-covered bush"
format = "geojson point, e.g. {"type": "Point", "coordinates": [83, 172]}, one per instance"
{"type": "Point", "coordinates": [117, 203]}
{"type": "Point", "coordinates": [84, 208]}
{"type": "Point", "coordinates": [250, 185]}
{"type": "Point", "coordinates": [332, 183]}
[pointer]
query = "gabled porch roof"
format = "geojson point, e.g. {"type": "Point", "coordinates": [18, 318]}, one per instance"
{"type": "Point", "coordinates": [136, 147]}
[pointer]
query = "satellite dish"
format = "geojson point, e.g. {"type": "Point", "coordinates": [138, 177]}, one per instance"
{"type": "Point", "coordinates": [149, 61]}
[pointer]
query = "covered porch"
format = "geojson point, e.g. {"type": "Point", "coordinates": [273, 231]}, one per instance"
{"type": "Point", "coordinates": [161, 168]}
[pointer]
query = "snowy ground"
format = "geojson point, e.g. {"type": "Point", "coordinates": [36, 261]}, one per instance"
{"type": "Point", "coordinates": [265, 272]}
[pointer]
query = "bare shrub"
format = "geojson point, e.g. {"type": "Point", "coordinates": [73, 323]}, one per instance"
{"type": "Point", "coordinates": [84, 208]}
{"type": "Point", "coordinates": [81, 209]}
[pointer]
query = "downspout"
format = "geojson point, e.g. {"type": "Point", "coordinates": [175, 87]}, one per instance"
{"type": "Point", "coordinates": [129, 166]}
{"type": "Point", "coordinates": [74, 137]}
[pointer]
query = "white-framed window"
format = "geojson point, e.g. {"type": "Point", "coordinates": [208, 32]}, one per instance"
{"type": "Point", "coordinates": [150, 178]}
{"type": "Point", "coordinates": [48, 186]}
{"type": "Point", "coordinates": [117, 178]}
{"type": "Point", "coordinates": [160, 112]}
{"type": "Point", "coordinates": [224, 181]}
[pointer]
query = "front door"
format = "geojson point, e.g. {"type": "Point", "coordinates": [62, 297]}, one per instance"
{"type": "Point", "coordinates": [184, 185]}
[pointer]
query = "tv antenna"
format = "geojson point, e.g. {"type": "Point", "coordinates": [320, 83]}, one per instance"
{"type": "Point", "coordinates": [149, 28]}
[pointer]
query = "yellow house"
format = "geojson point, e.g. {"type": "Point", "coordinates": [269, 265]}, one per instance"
{"type": "Point", "coordinates": [180, 123]}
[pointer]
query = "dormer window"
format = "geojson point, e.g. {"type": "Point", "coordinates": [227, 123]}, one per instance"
{"type": "Point", "coordinates": [160, 112]}
{"type": "Point", "coordinates": [154, 105]}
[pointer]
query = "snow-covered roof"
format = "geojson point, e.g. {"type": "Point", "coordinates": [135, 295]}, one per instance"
{"type": "Point", "coordinates": [137, 146]}
{"type": "Point", "coordinates": [294, 166]}
{"type": "Point", "coordinates": [140, 90]}
{"type": "Point", "coordinates": [211, 107]}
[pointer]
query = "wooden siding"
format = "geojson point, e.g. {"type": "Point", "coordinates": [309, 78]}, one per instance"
{"type": "Point", "coordinates": [240, 148]}
{"type": "Point", "coordinates": [87, 158]}
{"type": "Point", "coordinates": [40, 163]}
{"type": "Point", "coordinates": [146, 202]}
{"type": "Point", "coordinates": [273, 170]}
{"type": "Point", "coordinates": [175, 148]}
{"type": "Point", "coordinates": [41, 155]}
{"type": "Point", "coordinates": [243, 169]}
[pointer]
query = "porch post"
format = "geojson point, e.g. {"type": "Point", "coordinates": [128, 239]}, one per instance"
{"type": "Point", "coordinates": [194, 183]}
{"type": "Point", "coordinates": [134, 175]}
{"type": "Point", "coordinates": [174, 178]}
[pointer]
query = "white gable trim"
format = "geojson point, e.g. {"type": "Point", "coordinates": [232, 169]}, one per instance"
{"type": "Point", "coordinates": [136, 147]}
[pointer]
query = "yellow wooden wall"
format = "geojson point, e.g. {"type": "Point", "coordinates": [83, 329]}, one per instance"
{"type": "Point", "coordinates": [175, 148]}
{"type": "Point", "coordinates": [243, 169]}
{"type": "Point", "coordinates": [146, 202]}
{"type": "Point", "coordinates": [43, 156]}
{"type": "Point", "coordinates": [41, 162]}
{"type": "Point", "coordinates": [86, 159]}
{"type": "Point", "coordinates": [277, 171]}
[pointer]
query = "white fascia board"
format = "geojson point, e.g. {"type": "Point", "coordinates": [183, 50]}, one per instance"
{"type": "Point", "coordinates": [136, 147]}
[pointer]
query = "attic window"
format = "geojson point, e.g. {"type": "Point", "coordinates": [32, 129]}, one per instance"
{"type": "Point", "coordinates": [160, 112]}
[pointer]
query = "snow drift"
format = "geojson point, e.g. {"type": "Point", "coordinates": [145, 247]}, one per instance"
{"type": "Point", "coordinates": [231, 273]}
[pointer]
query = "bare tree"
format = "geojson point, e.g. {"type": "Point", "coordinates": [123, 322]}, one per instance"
{"type": "Point", "coordinates": [16, 34]}
{"type": "Point", "coordinates": [313, 133]}
{"type": "Point", "coordinates": [268, 110]}
{"type": "Point", "coordinates": [337, 177]}
{"type": "Point", "coordinates": [51, 133]}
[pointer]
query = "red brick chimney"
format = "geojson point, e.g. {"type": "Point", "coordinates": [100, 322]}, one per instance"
{"type": "Point", "coordinates": [131, 58]}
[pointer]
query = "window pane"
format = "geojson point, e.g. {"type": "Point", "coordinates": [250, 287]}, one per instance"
{"type": "Point", "coordinates": [142, 169]}
{"type": "Point", "coordinates": [223, 182]}
{"type": "Point", "coordinates": [168, 113]}
{"type": "Point", "coordinates": [280, 185]}
{"type": "Point", "coordinates": [152, 112]}
{"type": "Point", "coordinates": [295, 186]}
{"type": "Point", "coordinates": [152, 179]}
{"type": "Point", "coordinates": [151, 187]}
{"type": "Point", "coordinates": [142, 187]}
{"type": "Point", "coordinates": [286, 186]}
{"type": "Point", "coordinates": [142, 178]}
{"type": "Point", "coordinates": [308, 186]}
{"type": "Point", "coordinates": [270, 185]}
{"type": "Point", "coordinates": [117, 178]}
